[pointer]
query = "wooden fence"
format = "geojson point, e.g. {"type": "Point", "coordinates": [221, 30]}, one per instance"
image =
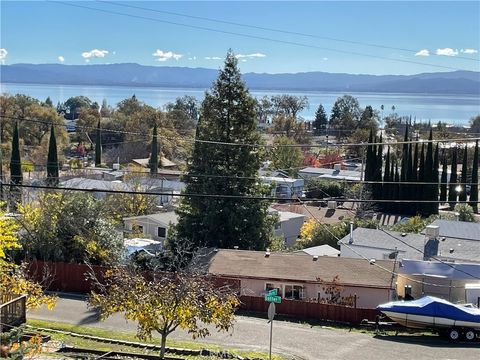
{"type": "Point", "coordinates": [310, 310]}
{"type": "Point", "coordinates": [13, 309]}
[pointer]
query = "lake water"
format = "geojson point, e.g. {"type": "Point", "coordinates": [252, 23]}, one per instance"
{"type": "Point", "coordinates": [450, 108]}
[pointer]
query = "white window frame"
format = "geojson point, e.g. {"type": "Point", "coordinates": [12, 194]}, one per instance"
{"type": "Point", "coordinates": [301, 294]}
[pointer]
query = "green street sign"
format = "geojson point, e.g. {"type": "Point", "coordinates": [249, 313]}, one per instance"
{"type": "Point", "coordinates": [272, 292]}
{"type": "Point", "coordinates": [275, 299]}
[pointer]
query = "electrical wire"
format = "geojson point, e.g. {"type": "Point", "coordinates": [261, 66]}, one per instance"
{"type": "Point", "coordinates": [272, 29]}
{"type": "Point", "coordinates": [204, 28]}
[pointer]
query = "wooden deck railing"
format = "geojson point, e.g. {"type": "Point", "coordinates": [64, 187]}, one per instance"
{"type": "Point", "coordinates": [13, 310]}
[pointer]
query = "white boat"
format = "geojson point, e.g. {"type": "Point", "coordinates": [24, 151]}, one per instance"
{"type": "Point", "coordinates": [437, 314]}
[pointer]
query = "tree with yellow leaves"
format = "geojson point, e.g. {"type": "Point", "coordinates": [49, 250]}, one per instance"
{"type": "Point", "coordinates": [166, 301]}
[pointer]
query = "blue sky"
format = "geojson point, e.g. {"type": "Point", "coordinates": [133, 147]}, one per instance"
{"type": "Point", "coordinates": [51, 32]}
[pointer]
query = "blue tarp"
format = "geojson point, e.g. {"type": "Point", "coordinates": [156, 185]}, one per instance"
{"type": "Point", "coordinates": [435, 307]}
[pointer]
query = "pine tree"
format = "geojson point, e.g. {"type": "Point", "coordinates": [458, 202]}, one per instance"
{"type": "Point", "coordinates": [321, 120]}
{"type": "Point", "coordinates": [153, 162]}
{"type": "Point", "coordinates": [452, 192]}
{"type": "Point", "coordinates": [443, 185]}
{"type": "Point", "coordinates": [98, 145]}
{"type": "Point", "coordinates": [474, 184]}
{"type": "Point", "coordinates": [227, 115]}
{"type": "Point", "coordinates": [463, 179]}
{"type": "Point", "coordinates": [52, 160]}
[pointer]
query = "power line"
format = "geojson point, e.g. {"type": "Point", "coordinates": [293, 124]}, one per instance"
{"type": "Point", "coordinates": [196, 27]}
{"type": "Point", "coordinates": [256, 145]}
{"type": "Point", "coordinates": [272, 29]}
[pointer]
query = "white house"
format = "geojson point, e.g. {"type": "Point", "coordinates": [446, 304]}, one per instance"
{"type": "Point", "coordinates": [285, 187]}
{"type": "Point", "coordinates": [288, 226]}
{"type": "Point", "coordinates": [336, 174]}
{"type": "Point", "coordinates": [154, 226]}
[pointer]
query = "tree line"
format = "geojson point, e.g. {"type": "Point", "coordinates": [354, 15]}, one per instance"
{"type": "Point", "coordinates": [419, 164]}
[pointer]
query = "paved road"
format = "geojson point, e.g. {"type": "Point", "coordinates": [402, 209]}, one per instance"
{"type": "Point", "coordinates": [295, 341]}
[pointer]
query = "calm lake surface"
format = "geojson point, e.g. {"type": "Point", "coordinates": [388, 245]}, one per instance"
{"type": "Point", "coordinates": [450, 108]}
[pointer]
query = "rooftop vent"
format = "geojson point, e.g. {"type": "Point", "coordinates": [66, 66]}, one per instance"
{"type": "Point", "coordinates": [403, 234]}
{"type": "Point", "coordinates": [116, 166]}
{"type": "Point", "coordinates": [315, 257]}
{"type": "Point", "coordinates": [332, 204]}
{"type": "Point", "coordinates": [236, 247]}
{"type": "Point", "coordinates": [267, 254]}
{"type": "Point", "coordinates": [432, 231]}
{"type": "Point", "coordinates": [337, 167]}
{"type": "Point", "coordinates": [451, 251]}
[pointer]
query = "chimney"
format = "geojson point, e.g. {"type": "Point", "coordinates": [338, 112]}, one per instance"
{"type": "Point", "coordinates": [431, 243]}
{"type": "Point", "coordinates": [350, 241]}
{"type": "Point", "coordinates": [337, 167]}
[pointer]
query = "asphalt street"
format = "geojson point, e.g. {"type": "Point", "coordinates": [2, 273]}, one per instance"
{"type": "Point", "coordinates": [295, 341]}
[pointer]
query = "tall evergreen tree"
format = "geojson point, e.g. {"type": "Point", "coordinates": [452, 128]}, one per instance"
{"type": "Point", "coordinates": [414, 177]}
{"type": "Point", "coordinates": [16, 176]}
{"type": "Point", "coordinates": [52, 160]}
{"type": "Point", "coordinates": [227, 115]}
{"type": "Point", "coordinates": [396, 191]}
{"type": "Point", "coordinates": [403, 191]}
{"type": "Point", "coordinates": [435, 180]}
{"type": "Point", "coordinates": [452, 192]}
{"type": "Point", "coordinates": [474, 184]}
{"type": "Point", "coordinates": [421, 179]}
{"type": "Point", "coordinates": [98, 145]}
{"type": "Point", "coordinates": [378, 171]}
{"type": "Point", "coordinates": [462, 196]}
{"type": "Point", "coordinates": [427, 208]}
{"type": "Point", "coordinates": [443, 185]}
{"type": "Point", "coordinates": [153, 162]}
{"type": "Point", "coordinates": [386, 180]}
{"type": "Point", "coordinates": [369, 163]}
{"type": "Point", "coordinates": [321, 120]}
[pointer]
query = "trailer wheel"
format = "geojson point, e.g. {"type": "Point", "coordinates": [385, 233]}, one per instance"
{"type": "Point", "coordinates": [453, 334]}
{"type": "Point", "coordinates": [469, 334]}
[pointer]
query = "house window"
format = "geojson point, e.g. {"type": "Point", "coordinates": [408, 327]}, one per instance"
{"type": "Point", "coordinates": [270, 286]}
{"type": "Point", "coordinates": [161, 232]}
{"type": "Point", "coordinates": [294, 292]}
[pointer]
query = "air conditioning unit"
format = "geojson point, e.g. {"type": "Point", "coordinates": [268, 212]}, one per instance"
{"type": "Point", "coordinates": [332, 204]}
{"type": "Point", "coordinates": [432, 231]}
{"type": "Point", "coordinates": [116, 166]}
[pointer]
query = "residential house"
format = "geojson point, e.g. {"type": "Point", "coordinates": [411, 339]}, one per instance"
{"type": "Point", "coordinates": [383, 244]}
{"type": "Point", "coordinates": [102, 186]}
{"type": "Point", "coordinates": [285, 187]}
{"type": "Point", "coordinates": [298, 276]}
{"type": "Point", "coordinates": [320, 250]}
{"type": "Point", "coordinates": [336, 174]}
{"type": "Point", "coordinates": [288, 225]}
{"type": "Point", "coordinates": [154, 226]}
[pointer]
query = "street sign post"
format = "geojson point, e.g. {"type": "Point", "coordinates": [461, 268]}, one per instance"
{"type": "Point", "coordinates": [272, 297]}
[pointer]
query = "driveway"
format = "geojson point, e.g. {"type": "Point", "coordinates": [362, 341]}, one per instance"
{"type": "Point", "coordinates": [295, 341]}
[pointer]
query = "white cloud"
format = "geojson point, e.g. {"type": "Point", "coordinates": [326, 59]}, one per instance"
{"type": "Point", "coordinates": [254, 55]}
{"type": "Point", "coordinates": [325, 59]}
{"type": "Point", "coordinates": [469, 51]}
{"type": "Point", "coordinates": [167, 55]}
{"type": "Point", "coordinates": [95, 53]}
{"type": "Point", "coordinates": [423, 52]}
{"type": "Point", "coordinates": [213, 58]}
{"type": "Point", "coordinates": [3, 55]}
{"type": "Point", "coordinates": [61, 59]}
{"type": "Point", "coordinates": [447, 52]}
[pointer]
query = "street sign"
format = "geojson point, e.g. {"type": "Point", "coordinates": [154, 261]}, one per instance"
{"type": "Point", "coordinates": [271, 311]}
{"type": "Point", "coordinates": [272, 292]}
{"type": "Point", "coordinates": [273, 299]}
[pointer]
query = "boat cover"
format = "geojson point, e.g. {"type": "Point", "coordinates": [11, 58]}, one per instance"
{"type": "Point", "coordinates": [435, 307]}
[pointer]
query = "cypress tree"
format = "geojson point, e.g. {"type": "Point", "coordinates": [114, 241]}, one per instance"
{"type": "Point", "coordinates": [98, 145]}
{"type": "Point", "coordinates": [368, 162]}
{"type": "Point", "coordinates": [414, 188]}
{"type": "Point", "coordinates": [435, 179]}
{"type": "Point", "coordinates": [391, 190]}
{"type": "Point", "coordinates": [386, 180]}
{"type": "Point", "coordinates": [403, 191]}
{"type": "Point", "coordinates": [16, 176]}
{"type": "Point", "coordinates": [421, 179]}
{"type": "Point", "coordinates": [474, 184]}
{"type": "Point", "coordinates": [443, 185]}
{"type": "Point", "coordinates": [378, 171]}
{"type": "Point", "coordinates": [227, 115]}
{"type": "Point", "coordinates": [153, 162]}
{"type": "Point", "coordinates": [428, 177]}
{"type": "Point", "coordinates": [396, 191]}
{"type": "Point", "coordinates": [52, 160]}
{"type": "Point", "coordinates": [463, 179]}
{"type": "Point", "coordinates": [452, 193]}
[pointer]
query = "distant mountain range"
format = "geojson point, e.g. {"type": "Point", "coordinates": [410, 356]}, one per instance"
{"type": "Point", "coordinates": [456, 82]}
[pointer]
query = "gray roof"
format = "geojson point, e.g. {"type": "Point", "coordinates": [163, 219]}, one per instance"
{"type": "Point", "coordinates": [458, 229]}
{"type": "Point", "coordinates": [330, 172]}
{"type": "Point", "coordinates": [165, 218]}
{"type": "Point", "coordinates": [321, 250]}
{"type": "Point", "coordinates": [468, 250]}
{"type": "Point", "coordinates": [85, 183]}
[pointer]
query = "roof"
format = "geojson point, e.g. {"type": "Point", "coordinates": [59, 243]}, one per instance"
{"type": "Point", "coordinates": [164, 218]}
{"type": "Point", "coordinates": [285, 215]}
{"type": "Point", "coordinates": [458, 229]}
{"type": "Point", "coordinates": [452, 271]}
{"type": "Point", "coordinates": [299, 268]}
{"type": "Point", "coordinates": [321, 250]}
{"type": "Point", "coordinates": [164, 161]}
{"type": "Point", "coordinates": [85, 183]}
{"type": "Point", "coordinates": [374, 238]}
{"type": "Point", "coordinates": [331, 173]}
